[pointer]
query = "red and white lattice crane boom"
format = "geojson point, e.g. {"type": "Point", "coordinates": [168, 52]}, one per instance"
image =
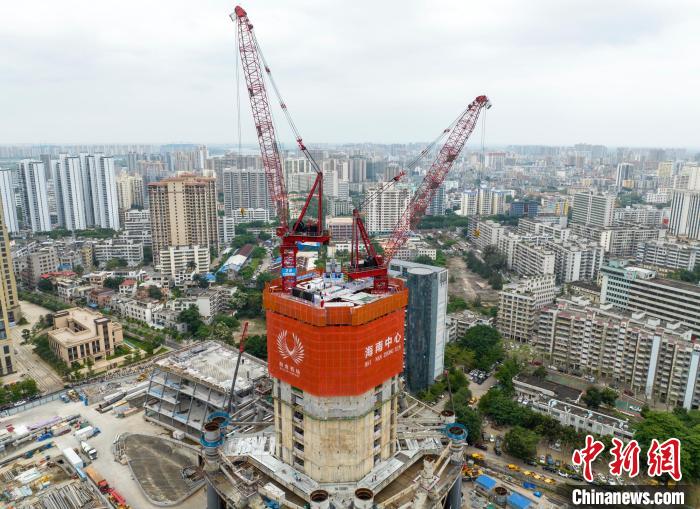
{"type": "Point", "coordinates": [253, 63]}
{"type": "Point", "coordinates": [376, 265]}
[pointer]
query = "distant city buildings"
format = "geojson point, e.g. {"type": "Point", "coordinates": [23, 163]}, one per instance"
{"type": "Point", "coordinates": [8, 201]}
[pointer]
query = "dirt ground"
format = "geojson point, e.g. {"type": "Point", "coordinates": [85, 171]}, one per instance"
{"type": "Point", "coordinates": [468, 285]}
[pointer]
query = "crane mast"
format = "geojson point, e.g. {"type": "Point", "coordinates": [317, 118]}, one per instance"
{"type": "Point", "coordinates": [253, 64]}
{"type": "Point", "coordinates": [377, 266]}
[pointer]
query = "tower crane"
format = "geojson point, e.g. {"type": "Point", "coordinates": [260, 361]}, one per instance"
{"type": "Point", "coordinates": [254, 64]}
{"type": "Point", "coordinates": [376, 265]}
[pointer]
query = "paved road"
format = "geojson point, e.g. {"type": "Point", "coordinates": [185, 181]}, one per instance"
{"type": "Point", "coordinates": [26, 360]}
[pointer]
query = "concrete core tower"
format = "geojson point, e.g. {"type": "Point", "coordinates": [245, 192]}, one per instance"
{"type": "Point", "coordinates": [335, 353]}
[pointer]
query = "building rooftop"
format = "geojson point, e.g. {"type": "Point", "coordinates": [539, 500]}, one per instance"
{"type": "Point", "coordinates": [213, 364]}
{"type": "Point", "coordinates": [561, 391]}
{"type": "Point", "coordinates": [81, 325]}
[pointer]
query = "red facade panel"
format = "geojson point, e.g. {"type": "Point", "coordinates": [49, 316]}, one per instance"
{"type": "Point", "coordinates": [335, 360]}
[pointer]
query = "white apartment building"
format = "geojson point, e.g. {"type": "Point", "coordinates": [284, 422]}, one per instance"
{"type": "Point", "coordinates": [469, 203]}
{"type": "Point", "coordinates": [178, 260]}
{"type": "Point", "coordinates": [384, 211]}
{"type": "Point", "coordinates": [576, 259]}
{"type": "Point", "coordinates": [7, 200]}
{"type": "Point", "coordinates": [519, 304]}
{"type": "Point", "coordinates": [227, 230]}
{"type": "Point", "coordinates": [137, 226]}
{"type": "Point", "coordinates": [685, 214]}
{"type": "Point", "coordinates": [245, 189]}
{"type": "Point", "coordinates": [488, 233]}
{"type": "Point", "coordinates": [32, 179]}
{"type": "Point", "coordinates": [104, 190]}
{"type": "Point", "coordinates": [142, 310]}
{"type": "Point", "coordinates": [533, 260]}
{"type": "Point", "coordinates": [70, 198]}
{"type": "Point", "coordinates": [646, 215]}
{"type": "Point", "coordinates": [668, 255]}
{"type": "Point", "coordinates": [653, 358]}
{"type": "Point", "coordinates": [129, 250]}
{"type": "Point", "coordinates": [241, 216]}
{"type": "Point", "coordinates": [593, 209]}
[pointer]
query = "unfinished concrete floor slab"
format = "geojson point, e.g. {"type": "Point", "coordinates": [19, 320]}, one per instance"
{"type": "Point", "coordinates": [166, 471]}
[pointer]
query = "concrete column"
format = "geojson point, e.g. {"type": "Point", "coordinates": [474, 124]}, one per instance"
{"type": "Point", "coordinates": [213, 500]}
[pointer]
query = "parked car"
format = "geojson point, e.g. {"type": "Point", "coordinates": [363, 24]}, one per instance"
{"type": "Point", "coordinates": [481, 446]}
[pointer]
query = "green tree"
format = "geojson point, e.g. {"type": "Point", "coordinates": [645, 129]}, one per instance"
{"type": "Point", "coordinates": [79, 269]}
{"type": "Point", "coordinates": [592, 398]}
{"type": "Point", "coordinates": [113, 282]}
{"type": "Point", "coordinates": [45, 285]}
{"type": "Point", "coordinates": [540, 373]}
{"type": "Point", "coordinates": [26, 334]}
{"type": "Point", "coordinates": [486, 344]}
{"type": "Point", "coordinates": [521, 443]}
{"type": "Point", "coordinates": [455, 304]}
{"type": "Point", "coordinates": [192, 318]}
{"type": "Point", "coordinates": [257, 346]}
{"type": "Point", "coordinates": [608, 396]}
{"type": "Point", "coordinates": [456, 355]}
{"type": "Point", "coordinates": [155, 293]}
{"type": "Point", "coordinates": [221, 277]}
{"type": "Point", "coordinates": [507, 371]}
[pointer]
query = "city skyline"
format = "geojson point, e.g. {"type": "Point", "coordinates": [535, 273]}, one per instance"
{"type": "Point", "coordinates": [557, 75]}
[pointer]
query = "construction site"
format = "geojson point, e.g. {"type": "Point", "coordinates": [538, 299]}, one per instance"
{"type": "Point", "coordinates": [344, 433]}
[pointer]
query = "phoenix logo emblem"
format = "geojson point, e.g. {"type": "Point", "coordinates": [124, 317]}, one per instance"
{"type": "Point", "coordinates": [295, 353]}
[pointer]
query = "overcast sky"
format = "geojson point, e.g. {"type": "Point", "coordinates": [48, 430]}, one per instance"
{"type": "Point", "coordinates": [558, 72]}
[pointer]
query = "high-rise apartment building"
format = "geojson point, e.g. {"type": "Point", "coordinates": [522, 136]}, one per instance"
{"type": "Point", "coordinates": [9, 302]}
{"type": "Point", "coordinates": [426, 332]}
{"type": "Point", "coordinates": [624, 172]}
{"type": "Point", "coordinates": [183, 213]}
{"type": "Point", "coordinates": [519, 305]}
{"type": "Point", "coordinates": [129, 194]}
{"type": "Point", "coordinates": [593, 209]}
{"type": "Point", "coordinates": [7, 200]}
{"type": "Point", "coordinates": [35, 205]}
{"type": "Point", "coordinates": [70, 200]}
{"type": "Point", "coordinates": [469, 203]}
{"type": "Point", "coordinates": [245, 189]}
{"type": "Point", "coordinates": [685, 214]}
{"type": "Point", "coordinates": [104, 191]}
{"type": "Point", "coordinates": [384, 211]}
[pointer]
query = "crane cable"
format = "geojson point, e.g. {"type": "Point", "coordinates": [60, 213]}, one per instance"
{"type": "Point", "coordinates": [286, 112]}
{"type": "Point", "coordinates": [238, 94]}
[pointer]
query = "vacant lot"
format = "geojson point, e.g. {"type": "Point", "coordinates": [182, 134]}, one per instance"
{"type": "Point", "coordinates": [467, 284]}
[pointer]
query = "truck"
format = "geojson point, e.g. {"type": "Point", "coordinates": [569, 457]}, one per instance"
{"type": "Point", "coordinates": [97, 478]}
{"type": "Point", "coordinates": [89, 450]}
{"type": "Point", "coordinates": [84, 433]}
{"type": "Point", "coordinates": [73, 458]}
